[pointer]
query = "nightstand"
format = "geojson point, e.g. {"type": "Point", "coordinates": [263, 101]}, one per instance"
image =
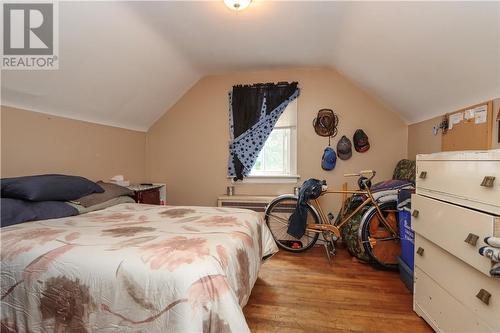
{"type": "Point", "coordinates": [151, 194]}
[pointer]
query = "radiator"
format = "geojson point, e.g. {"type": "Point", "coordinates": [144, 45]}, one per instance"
{"type": "Point", "coordinates": [255, 203]}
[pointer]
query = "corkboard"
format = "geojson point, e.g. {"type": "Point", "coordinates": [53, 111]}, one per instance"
{"type": "Point", "coordinates": [467, 135]}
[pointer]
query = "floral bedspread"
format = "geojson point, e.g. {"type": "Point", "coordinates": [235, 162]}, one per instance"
{"type": "Point", "coordinates": [132, 268]}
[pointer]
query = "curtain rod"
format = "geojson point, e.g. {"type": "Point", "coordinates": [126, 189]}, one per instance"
{"type": "Point", "coordinates": [258, 85]}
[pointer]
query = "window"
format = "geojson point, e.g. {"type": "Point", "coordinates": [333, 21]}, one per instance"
{"type": "Point", "coordinates": [278, 158]}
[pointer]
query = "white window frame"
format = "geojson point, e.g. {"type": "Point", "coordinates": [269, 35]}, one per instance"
{"type": "Point", "coordinates": [292, 176]}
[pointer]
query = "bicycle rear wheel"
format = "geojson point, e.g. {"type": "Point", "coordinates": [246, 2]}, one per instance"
{"type": "Point", "coordinates": [277, 215]}
{"type": "Point", "coordinates": [379, 243]}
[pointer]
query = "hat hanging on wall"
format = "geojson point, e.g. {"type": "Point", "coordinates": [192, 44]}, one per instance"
{"type": "Point", "coordinates": [360, 140]}
{"type": "Point", "coordinates": [344, 148]}
{"type": "Point", "coordinates": [329, 159]}
{"type": "Point", "coordinates": [326, 122]}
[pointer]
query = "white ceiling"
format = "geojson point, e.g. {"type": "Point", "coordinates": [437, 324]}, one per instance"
{"type": "Point", "coordinates": [125, 63]}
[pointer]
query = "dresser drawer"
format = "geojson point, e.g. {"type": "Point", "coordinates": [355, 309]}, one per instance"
{"type": "Point", "coordinates": [443, 312]}
{"type": "Point", "coordinates": [462, 182]}
{"type": "Point", "coordinates": [460, 280]}
{"type": "Point", "coordinates": [449, 227]}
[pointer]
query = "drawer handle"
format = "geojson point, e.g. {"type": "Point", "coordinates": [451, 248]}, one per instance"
{"type": "Point", "coordinates": [420, 251]}
{"type": "Point", "coordinates": [488, 181]}
{"type": "Point", "coordinates": [415, 213]}
{"type": "Point", "coordinates": [471, 239]}
{"type": "Point", "coordinates": [484, 296]}
{"type": "Point", "coordinates": [423, 175]}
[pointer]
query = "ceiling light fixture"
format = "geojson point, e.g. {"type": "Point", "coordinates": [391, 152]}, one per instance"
{"type": "Point", "coordinates": [237, 4]}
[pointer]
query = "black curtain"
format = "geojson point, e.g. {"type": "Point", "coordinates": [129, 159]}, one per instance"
{"type": "Point", "coordinates": [247, 105]}
{"type": "Point", "coordinates": [247, 102]}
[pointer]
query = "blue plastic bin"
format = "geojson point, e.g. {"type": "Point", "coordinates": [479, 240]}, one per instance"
{"type": "Point", "coordinates": [405, 232]}
{"type": "Point", "coordinates": [407, 238]}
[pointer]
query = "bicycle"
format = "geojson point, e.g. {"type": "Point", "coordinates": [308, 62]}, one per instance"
{"type": "Point", "coordinates": [378, 231]}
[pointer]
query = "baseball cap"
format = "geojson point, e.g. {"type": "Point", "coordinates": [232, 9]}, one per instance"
{"type": "Point", "coordinates": [360, 140]}
{"type": "Point", "coordinates": [329, 159]}
{"type": "Point", "coordinates": [344, 148]}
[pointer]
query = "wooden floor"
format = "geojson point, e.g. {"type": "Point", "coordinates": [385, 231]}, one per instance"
{"type": "Point", "coordinates": [303, 293]}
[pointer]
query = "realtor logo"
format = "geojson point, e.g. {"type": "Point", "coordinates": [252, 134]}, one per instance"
{"type": "Point", "coordinates": [29, 36]}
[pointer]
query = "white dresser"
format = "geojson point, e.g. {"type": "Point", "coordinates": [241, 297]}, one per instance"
{"type": "Point", "coordinates": [456, 205]}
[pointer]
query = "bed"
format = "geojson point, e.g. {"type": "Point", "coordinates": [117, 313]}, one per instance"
{"type": "Point", "coordinates": [133, 268]}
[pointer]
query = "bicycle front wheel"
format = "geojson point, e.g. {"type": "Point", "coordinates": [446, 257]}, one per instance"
{"type": "Point", "coordinates": [277, 219]}
{"type": "Point", "coordinates": [378, 242]}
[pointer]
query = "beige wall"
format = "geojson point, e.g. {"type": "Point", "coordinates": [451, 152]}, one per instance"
{"type": "Point", "coordinates": [188, 147]}
{"type": "Point", "coordinates": [421, 140]}
{"type": "Point", "coordinates": [36, 143]}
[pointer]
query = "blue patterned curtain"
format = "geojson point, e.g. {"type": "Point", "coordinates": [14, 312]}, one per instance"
{"type": "Point", "coordinates": [253, 113]}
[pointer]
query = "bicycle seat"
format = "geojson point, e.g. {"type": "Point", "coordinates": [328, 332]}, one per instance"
{"type": "Point", "coordinates": [364, 183]}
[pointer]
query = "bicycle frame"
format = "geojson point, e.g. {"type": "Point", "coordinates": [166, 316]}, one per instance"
{"type": "Point", "coordinates": [335, 228]}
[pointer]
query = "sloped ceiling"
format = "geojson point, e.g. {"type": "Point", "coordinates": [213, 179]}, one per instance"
{"type": "Point", "coordinates": [126, 63]}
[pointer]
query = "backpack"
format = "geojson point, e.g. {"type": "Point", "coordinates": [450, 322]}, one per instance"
{"type": "Point", "coordinates": [349, 231]}
{"type": "Point", "coordinates": [405, 170]}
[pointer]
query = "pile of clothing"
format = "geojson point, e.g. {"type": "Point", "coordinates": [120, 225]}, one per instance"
{"type": "Point", "coordinates": [43, 197]}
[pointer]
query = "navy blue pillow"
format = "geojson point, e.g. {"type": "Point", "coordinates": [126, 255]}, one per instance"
{"type": "Point", "coordinates": [14, 211]}
{"type": "Point", "coordinates": [48, 188]}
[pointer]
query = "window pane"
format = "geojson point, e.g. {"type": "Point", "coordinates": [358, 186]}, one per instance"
{"type": "Point", "coordinates": [277, 156]}
{"type": "Point", "coordinates": [258, 164]}
{"type": "Point", "coordinates": [274, 157]}
{"type": "Point", "coordinates": [274, 151]}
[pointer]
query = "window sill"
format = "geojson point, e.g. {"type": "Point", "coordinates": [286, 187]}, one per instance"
{"type": "Point", "coordinates": [292, 179]}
